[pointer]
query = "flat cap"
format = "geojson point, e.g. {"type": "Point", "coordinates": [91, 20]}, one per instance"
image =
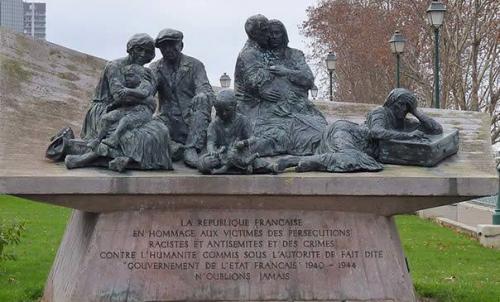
{"type": "Point", "coordinates": [168, 34]}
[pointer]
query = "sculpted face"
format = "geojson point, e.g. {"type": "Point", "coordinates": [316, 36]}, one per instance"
{"type": "Point", "coordinates": [400, 109]}
{"type": "Point", "coordinates": [275, 36]}
{"type": "Point", "coordinates": [171, 49]}
{"type": "Point", "coordinates": [400, 102]}
{"type": "Point", "coordinates": [261, 33]}
{"type": "Point", "coordinates": [226, 112]}
{"type": "Point", "coordinates": [142, 54]}
{"type": "Point", "coordinates": [132, 80]}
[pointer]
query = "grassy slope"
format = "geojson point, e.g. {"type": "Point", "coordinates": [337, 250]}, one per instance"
{"type": "Point", "coordinates": [24, 279]}
{"type": "Point", "coordinates": [444, 265]}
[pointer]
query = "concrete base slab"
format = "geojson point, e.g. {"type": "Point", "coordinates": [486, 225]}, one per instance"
{"type": "Point", "coordinates": [489, 235]}
{"type": "Point", "coordinates": [229, 255]}
{"type": "Point", "coordinates": [457, 226]}
{"type": "Point", "coordinates": [465, 213]}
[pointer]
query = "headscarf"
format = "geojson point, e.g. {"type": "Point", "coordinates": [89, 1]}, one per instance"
{"type": "Point", "coordinates": [140, 40]}
{"type": "Point", "coordinates": [401, 95]}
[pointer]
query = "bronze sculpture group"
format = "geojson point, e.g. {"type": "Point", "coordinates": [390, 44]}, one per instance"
{"type": "Point", "coordinates": [146, 118]}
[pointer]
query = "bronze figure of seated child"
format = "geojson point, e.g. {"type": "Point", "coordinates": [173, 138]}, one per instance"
{"type": "Point", "coordinates": [229, 142]}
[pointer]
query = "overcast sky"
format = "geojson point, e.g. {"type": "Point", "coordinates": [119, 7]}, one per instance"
{"type": "Point", "coordinates": [213, 29]}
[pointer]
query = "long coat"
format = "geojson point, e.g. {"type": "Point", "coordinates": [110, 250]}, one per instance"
{"type": "Point", "coordinates": [187, 121]}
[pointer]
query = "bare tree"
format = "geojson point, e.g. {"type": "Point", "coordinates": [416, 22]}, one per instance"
{"type": "Point", "coordinates": [359, 30]}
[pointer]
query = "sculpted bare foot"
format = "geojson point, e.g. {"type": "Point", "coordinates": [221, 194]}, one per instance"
{"type": "Point", "coordinates": [80, 161]}
{"type": "Point", "coordinates": [309, 166]}
{"type": "Point", "coordinates": [274, 169]}
{"type": "Point", "coordinates": [221, 170]}
{"type": "Point", "coordinates": [191, 158]}
{"type": "Point", "coordinates": [286, 162]}
{"type": "Point", "coordinates": [119, 164]}
{"type": "Point", "coordinates": [72, 161]}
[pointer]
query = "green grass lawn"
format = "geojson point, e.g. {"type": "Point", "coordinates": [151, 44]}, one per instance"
{"type": "Point", "coordinates": [24, 279]}
{"type": "Point", "coordinates": [449, 266]}
{"type": "Point", "coordinates": [444, 265]}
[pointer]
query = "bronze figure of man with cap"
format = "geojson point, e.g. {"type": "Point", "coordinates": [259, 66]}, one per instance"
{"type": "Point", "coordinates": [184, 93]}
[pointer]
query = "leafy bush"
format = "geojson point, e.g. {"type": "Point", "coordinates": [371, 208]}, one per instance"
{"type": "Point", "coordinates": [10, 234]}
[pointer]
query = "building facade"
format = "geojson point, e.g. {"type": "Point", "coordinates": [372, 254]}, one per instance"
{"type": "Point", "coordinates": [12, 15]}
{"type": "Point", "coordinates": [24, 17]}
{"type": "Point", "coordinates": [34, 19]}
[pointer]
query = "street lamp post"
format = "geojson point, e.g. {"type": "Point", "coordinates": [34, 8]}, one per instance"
{"type": "Point", "coordinates": [435, 14]}
{"type": "Point", "coordinates": [331, 60]}
{"type": "Point", "coordinates": [397, 43]}
{"type": "Point", "coordinates": [225, 81]}
{"type": "Point", "coordinates": [496, 213]}
{"type": "Point", "coordinates": [314, 92]}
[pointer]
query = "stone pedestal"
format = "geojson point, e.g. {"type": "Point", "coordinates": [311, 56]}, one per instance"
{"type": "Point", "coordinates": [230, 255]}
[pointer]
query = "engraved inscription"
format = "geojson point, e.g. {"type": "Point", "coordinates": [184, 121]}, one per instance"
{"type": "Point", "coordinates": [236, 248]}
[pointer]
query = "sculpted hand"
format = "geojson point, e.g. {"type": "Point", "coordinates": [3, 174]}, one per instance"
{"type": "Point", "coordinates": [222, 149]}
{"type": "Point", "coordinates": [279, 70]}
{"type": "Point", "coordinates": [122, 93]}
{"type": "Point", "coordinates": [200, 100]}
{"type": "Point", "coordinates": [417, 134]}
{"type": "Point", "coordinates": [240, 145]}
{"type": "Point", "coordinates": [273, 95]}
{"type": "Point", "coordinates": [414, 111]}
{"type": "Point", "coordinates": [217, 152]}
{"type": "Point", "coordinates": [148, 77]}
